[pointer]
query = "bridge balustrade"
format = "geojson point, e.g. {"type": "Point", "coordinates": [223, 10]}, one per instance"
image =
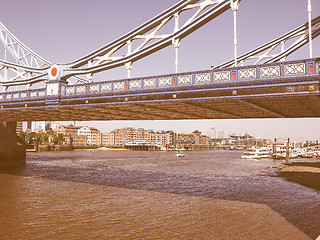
{"type": "Point", "coordinates": [233, 75]}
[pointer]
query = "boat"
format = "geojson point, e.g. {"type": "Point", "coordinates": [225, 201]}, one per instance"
{"type": "Point", "coordinates": [284, 155]}
{"type": "Point", "coordinates": [279, 150]}
{"type": "Point", "coordinates": [257, 153]}
{"type": "Point", "coordinates": [308, 152]}
{"type": "Point", "coordinates": [180, 154]}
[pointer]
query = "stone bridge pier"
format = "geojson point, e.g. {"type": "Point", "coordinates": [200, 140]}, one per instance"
{"type": "Point", "coordinates": [12, 148]}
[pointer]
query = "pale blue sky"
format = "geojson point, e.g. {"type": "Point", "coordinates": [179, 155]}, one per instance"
{"type": "Point", "coordinates": [62, 31]}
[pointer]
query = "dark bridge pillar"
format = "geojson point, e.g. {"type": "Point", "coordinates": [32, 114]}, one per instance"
{"type": "Point", "coordinates": [12, 148]}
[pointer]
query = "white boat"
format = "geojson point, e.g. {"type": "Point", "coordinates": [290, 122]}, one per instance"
{"type": "Point", "coordinates": [279, 150]}
{"type": "Point", "coordinates": [284, 155]}
{"type": "Point", "coordinates": [257, 153]}
{"type": "Point", "coordinates": [308, 152]}
{"type": "Point", "coordinates": [180, 154]}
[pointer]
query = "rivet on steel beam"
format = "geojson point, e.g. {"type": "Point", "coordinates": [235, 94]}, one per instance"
{"type": "Point", "coordinates": [87, 101]}
{"type": "Point", "coordinates": [26, 105]}
{"type": "Point", "coordinates": [1, 106]}
{"type": "Point", "coordinates": [174, 96]}
{"type": "Point", "coordinates": [234, 92]}
{"type": "Point", "coordinates": [126, 99]}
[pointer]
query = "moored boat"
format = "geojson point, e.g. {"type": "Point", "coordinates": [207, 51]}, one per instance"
{"type": "Point", "coordinates": [257, 153]}
{"type": "Point", "coordinates": [279, 150]}
{"type": "Point", "coordinates": [180, 154]}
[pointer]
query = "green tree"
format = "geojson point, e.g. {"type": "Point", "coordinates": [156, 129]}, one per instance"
{"type": "Point", "coordinates": [50, 133]}
{"type": "Point", "coordinates": [55, 139]}
{"type": "Point", "coordinates": [60, 138]}
{"type": "Point", "coordinates": [31, 137]}
{"type": "Point", "coordinates": [45, 137]}
{"type": "Point", "coordinates": [38, 137]}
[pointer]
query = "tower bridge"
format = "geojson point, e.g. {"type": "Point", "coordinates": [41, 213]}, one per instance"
{"type": "Point", "coordinates": [270, 88]}
{"type": "Point", "coordinates": [275, 90]}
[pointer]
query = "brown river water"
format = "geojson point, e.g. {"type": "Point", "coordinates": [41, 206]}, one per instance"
{"type": "Point", "coordinates": [153, 195]}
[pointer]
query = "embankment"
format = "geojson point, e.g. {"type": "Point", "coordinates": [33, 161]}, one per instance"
{"type": "Point", "coordinates": [304, 173]}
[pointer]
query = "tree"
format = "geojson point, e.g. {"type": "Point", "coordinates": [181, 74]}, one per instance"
{"type": "Point", "coordinates": [60, 138]}
{"type": "Point", "coordinates": [31, 137]}
{"type": "Point", "coordinates": [45, 137]}
{"type": "Point", "coordinates": [50, 133]}
{"type": "Point", "coordinates": [38, 137]}
{"type": "Point", "coordinates": [55, 139]}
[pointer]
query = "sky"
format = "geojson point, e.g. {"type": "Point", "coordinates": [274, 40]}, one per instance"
{"type": "Point", "coordinates": [62, 31]}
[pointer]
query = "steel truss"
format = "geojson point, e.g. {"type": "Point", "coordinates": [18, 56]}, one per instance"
{"type": "Point", "coordinates": [150, 40]}
{"type": "Point", "coordinates": [264, 53]}
{"type": "Point", "coordinates": [26, 67]}
{"type": "Point", "coordinates": [37, 69]}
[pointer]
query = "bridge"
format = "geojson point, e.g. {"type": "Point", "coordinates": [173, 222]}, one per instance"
{"type": "Point", "coordinates": [275, 90]}
{"type": "Point", "coordinates": [271, 87]}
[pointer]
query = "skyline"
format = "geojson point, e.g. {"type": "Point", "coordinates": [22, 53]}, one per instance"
{"type": "Point", "coordinates": [66, 30]}
{"type": "Point", "coordinates": [218, 132]}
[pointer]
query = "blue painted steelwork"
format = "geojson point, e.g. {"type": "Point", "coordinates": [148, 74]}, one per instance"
{"type": "Point", "coordinates": [210, 80]}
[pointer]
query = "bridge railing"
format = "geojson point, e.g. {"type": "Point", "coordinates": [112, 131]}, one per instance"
{"type": "Point", "coordinates": [215, 76]}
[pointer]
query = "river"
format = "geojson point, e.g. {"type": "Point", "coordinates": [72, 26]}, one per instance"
{"type": "Point", "coordinates": [153, 195]}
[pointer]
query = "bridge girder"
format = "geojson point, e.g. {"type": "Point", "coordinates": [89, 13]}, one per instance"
{"type": "Point", "coordinates": [289, 98]}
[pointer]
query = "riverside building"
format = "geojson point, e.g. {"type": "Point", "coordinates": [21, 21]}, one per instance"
{"type": "Point", "coordinates": [84, 135]}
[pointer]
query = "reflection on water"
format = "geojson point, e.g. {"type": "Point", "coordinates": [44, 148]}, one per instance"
{"type": "Point", "coordinates": [153, 195]}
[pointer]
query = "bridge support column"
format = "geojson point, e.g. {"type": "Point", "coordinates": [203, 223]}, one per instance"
{"type": "Point", "coordinates": [12, 148]}
{"type": "Point", "coordinates": [176, 43]}
{"type": "Point", "coordinates": [235, 5]}
{"type": "Point", "coordinates": [310, 29]}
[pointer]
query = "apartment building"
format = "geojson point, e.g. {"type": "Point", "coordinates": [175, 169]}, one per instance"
{"type": "Point", "coordinates": [120, 137]}
{"type": "Point", "coordinates": [200, 139]}
{"type": "Point", "coordinates": [163, 138]}
{"type": "Point", "coordinates": [76, 140]}
{"type": "Point", "coordinates": [93, 135]}
{"type": "Point", "coordinates": [96, 137]}
{"type": "Point", "coordinates": [85, 135]}
{"type": "Point", "coordinates": [108, 139]}
{"type": "Point", "coordinates": [195, 138]}
{"type": "Point", "coordinates": [70, 135]}
{"type": "Point", "coordinates": [67, 130]}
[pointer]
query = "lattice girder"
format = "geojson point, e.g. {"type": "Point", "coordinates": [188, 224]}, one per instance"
{"type": "Point", "coordinates": [32, 68]}
{"type": "Point", "coordinates": [150, 39]}
{"type": "Point", "coordinates": [19, 65]}
{"type": "Point", "coordinates": [264, 53]}
{"type": "Point", "coordinates": [26, 67]}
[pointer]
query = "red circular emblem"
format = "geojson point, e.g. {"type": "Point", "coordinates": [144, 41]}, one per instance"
{"type": "Point", "coordinates": [54, 71]}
